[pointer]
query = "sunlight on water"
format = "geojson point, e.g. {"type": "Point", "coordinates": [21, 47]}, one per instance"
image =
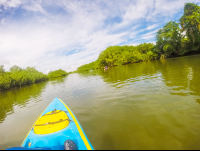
{"type": "Point", "coordinates": [149, 105]}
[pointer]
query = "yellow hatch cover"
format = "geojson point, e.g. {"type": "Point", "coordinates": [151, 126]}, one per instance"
{"type": "Point", "coordinates": [51, 122]}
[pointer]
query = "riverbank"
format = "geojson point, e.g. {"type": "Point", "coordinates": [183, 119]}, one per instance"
{"type": "Point", "coordinates": [18, 77]}
{"type": "Point", "coordinates": [130, 57]}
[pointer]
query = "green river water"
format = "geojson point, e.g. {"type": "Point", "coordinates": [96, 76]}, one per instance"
{"type": "Point", "coordinates": [149, 105]}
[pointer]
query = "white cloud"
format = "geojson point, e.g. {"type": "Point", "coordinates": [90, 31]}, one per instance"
{"type": "Point", "coordinates": [166, 9]}
{"type": "Point", "coordinates": [132, 14]}
{"type": "Point", "coordinates": [149, 35]}
{"type": "Point", "coordinates": [36, 8]}
{"type": "Point", "coordinates": [153, 42]}
{"type": "Point", "coordinates": [152, 27]}
{"type": "Point", "coordinates": [3, 21]}
{"type": "Point", "coordinates": [10, 3]}
{"type": "Point", "coordinates": [135, 34]}
{"type": "Point", "coordinates": [134, 44]}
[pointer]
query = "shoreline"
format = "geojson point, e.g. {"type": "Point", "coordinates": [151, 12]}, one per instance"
{"type": "Point", "coordinates": [191, 53]}
{"type": "Point", "coordinates": [188, 54]}
{"type": "Point", "coordinates": [17, 87]}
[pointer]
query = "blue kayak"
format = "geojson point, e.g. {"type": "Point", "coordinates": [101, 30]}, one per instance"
{"type": "Point", "coordinates": [56, 129]}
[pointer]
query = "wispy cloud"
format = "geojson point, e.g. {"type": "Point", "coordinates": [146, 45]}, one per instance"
{"type": "Point", "coordinates": [152, 27]}
{"type": "Point", "coordinates": [10, 3]}
{"type": "Point", "coordinates": [66, 34]}
{"type": "Point", "coordinates": [149, 35]}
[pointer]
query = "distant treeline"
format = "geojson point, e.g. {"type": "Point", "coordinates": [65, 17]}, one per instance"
{"type": "Point", "coordinates": [174, 39]}
{"type": "Point", "coordinates": [57, 73]}
{"type": "Point", "coordinates": [18, 77]}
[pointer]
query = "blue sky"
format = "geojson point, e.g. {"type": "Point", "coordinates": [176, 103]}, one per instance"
{"type": "Point", "coordinates": [54, 34]}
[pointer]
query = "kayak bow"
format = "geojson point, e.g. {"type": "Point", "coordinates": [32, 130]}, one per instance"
{"type": "Point", "coordinates": [56, 125]}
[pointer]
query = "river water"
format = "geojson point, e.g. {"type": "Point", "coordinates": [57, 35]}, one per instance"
{"type": "Point", "coordinates": [149, 105]}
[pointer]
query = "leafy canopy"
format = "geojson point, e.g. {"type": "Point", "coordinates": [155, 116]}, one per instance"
{"type": "Point", "coordinates": [2, 70]}
{"type": "Point", "coordinates": [57, 73]}
{"type": "Point", "coordinates": [169, 39]}
{"type": "Point", "coordinates": [190, 23]}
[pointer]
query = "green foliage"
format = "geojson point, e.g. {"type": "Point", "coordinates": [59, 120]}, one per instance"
{"type": "Point", "coordinates": [119, 55]}
{"type": "Point", "coordinates": [57, 73]}
{"type": "Point", "coordinates": [87, 67]}
{"type": "Point", "coordinates": [173, 40]}
{"type": "Point", "coordinates": [169, 40]}
{"type": "Point", "coordinates": [2, 69]}
{"type": "Point", "coordinates": [15, 68]}
{"type": "Point", "coordinates": [190, 23]}
{"type": "Point", "coordinates": [5, 81]}
{"type": "Point", "coordinates": [19, 77]}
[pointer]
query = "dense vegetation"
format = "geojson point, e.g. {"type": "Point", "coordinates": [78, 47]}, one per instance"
{"type": "Point", "coordinates": [57, 73]}
{"type": "Point", "coordinates": [18, 77]}
{"type": "Point", "coordinates": [174, 39]}
{"type": "Point", "coordinates": [119, 55]}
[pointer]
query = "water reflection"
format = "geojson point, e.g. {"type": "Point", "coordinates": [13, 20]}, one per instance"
{"type": "Point", "coordinates": [19, 97]}
{"type": "Point", "coordinates": [180, 74]}
{"type": "Point", "coordinates": [198, 101]}
{"type": "Point", "coordinates": [57, 81]}
{"type": "Point", "coordinates": [132, 71]}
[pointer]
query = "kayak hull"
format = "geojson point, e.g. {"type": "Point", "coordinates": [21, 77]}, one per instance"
{"type": "Point", "coordinates": [56, 139]}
